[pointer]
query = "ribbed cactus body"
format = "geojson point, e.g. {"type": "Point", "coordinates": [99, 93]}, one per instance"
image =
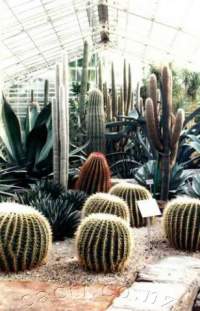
{"type": "Point", "coordinates": [163, 132]}
{"type": "Point", "coordinates": [131, 193]}
{"type": "Point", "coordinates": [104, 243]}
{"type": "Point", "coordinates": [181, 223]}
{"type": "Point", "coordinates": [25, 237]}
{"type": "Point", "coordinates": [106, 203]}
{"type": "Point", "coordinates": [84, 80]}
{"type": "Point", "coordinates": [96, 122]}
{"type": "Point", "coordinates": [46, 92]}
{"type": "Point", "coordinates": [114, 93]}
{"type": "Point", "coordinates": [94, 175]}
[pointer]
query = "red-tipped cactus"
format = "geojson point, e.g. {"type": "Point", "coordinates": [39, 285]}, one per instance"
{"type": "Point", "coordinates": [94, 175]}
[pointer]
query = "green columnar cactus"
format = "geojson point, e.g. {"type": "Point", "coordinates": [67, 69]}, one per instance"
{"type": "Point", "coordinates": [163, 134]}
{"type": "Point", "coordinates": [129, 91]}
{"type": "Point", "coordinates": [25, 237]}
{"type": "Point", "coordinates": [114, 93]}
{"type": "Point", "coordinates": [104, 243]}
{"type": "Point", "coordinates": [109, 110]}
{"type": "Point", "coordinates": [100, 83]}
{"type": "Point", "coordinates": [181, 223]}
{"type": "Point", "coordinates": [125, 86]}
{"type": "Point", "coordinates": [94, 175]}
{"type": "Point", "coordinates": [121, 103]}
{"type": "Point", "coordinates": [84, 81]}
{"type": "Point", "coordinates": [32, 96]}
{"type": "Point", "coordinates": [96, 122]}
{"type": "Point", "coordinates": [131, 193]}
{"type": "Point", "coordinates": [46, 92]}
{"type": "Point", "coordinates": [106, 203]}
{"type": "Point", "coordinates": [105, 95]}
{"type": "Point", "coordinates": [60, 125]}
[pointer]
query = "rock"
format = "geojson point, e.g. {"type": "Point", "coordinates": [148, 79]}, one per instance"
{"type": "Point", "coordinates": [43, 296]}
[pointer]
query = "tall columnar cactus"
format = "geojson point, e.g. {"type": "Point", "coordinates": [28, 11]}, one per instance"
{"type": "Point", "coordinates": [25, 237]}
{"type": "Point", "coordinates": [96, 122]}
{"type": "Point", "coordinates": [94, 175]}
{"type": "Point", "coordinates": [84, 81]}
{"type": "Point", "coordinates": [100, 83]}
{"type": "Point", "coordinates": [125, 85]}
{"type": "Point", "coordinates": [181, 223]}
{"type": "Point", "coordinates": [106, 203]}
{"type": "Point", "coordinates": [131, 193]}
{"type": "Point", "coordinates": [104, 243]}
{"type": "Point", "coordinates": [60, 125]}
{"type": "Point", "coordinates": [46, 92]}
{"type": "Point", "coordinates": [121, 102]}
{"type": "Point", "coordinates": [114, 93]}
{"type": "Point", "coordinates": [163, 132]}
{"type": "Point", "coordinates": [129, 90]}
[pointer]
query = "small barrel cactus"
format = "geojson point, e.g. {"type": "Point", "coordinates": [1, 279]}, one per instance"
{"type": "Point", "coordinates": [25, 237]}
{"type": "Point", "coordinates": [106, 203]}
{"type": "Point", "coordinates": [94, 175]}
{"type": "Point", "coordinates": [103, 243]}
{"type": "Point", "coordinates": [131, 193]}
{"type": "Point", "coordinates": [181, 221]}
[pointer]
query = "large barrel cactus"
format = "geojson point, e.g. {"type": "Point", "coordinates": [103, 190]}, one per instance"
{"type": "Point", "coordinates": [96, 122]}
{"type": "Point", "coordinates": [182, 223]}
{"type": "Point", "coordinates": [106, 203]}
{"type": "Point", "coordinates": [132, 193]}
{"type": "Point", "coordinates": [25, 237]}
{"type": "Point", "coordinates": [103, 243]}
{"type": "Point", "coordinates": [94, 175]}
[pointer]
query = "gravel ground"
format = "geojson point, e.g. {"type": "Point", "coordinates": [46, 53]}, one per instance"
{"type": "Point", "coordinates": [63, 267]}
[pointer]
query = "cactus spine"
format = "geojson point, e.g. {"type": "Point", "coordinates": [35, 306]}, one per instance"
{"type": "Point", "coordinates": [114, 93]}
{"type": "Point", "coordinates": [181, 223]}
{"type": "Point", "coordinates": [25, 237]}
{"type": "Point", "coordinates": [46, 92]}
{"type": "Point", "coordinates": [60, 124]}
{"type": "Point", "coordinates": [131, 194]}
{"type": "Point", "coordinates": [104, 243]}
{"type": "Point", "coordinates": [96, 122]}
{"type": "Point", "coordinates": [106, 203]}
{"type": "Point", "coordinates": [164, 135]}
{"type": "Point", "coordinates": [84, 81]}
{"type": "Point", "coordinates": [94, 175]}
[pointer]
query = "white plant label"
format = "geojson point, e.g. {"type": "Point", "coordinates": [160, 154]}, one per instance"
{"type": "Point", "coordinates": [149, 182]}
{"type": "Point", "coordinates": [148, 208]}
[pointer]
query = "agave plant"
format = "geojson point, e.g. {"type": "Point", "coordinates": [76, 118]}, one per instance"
{"type": "Point", "coordinates": [61, 208]}
{"type": "Point", "coordinates": [192, 189]}
{"type": "Point", "coordinates": [27, 146]}
{"type": "Point", "coordinates": [151, 171]}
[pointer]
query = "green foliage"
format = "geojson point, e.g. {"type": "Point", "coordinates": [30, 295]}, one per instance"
{"type": "Point", "coordinates": [25, 237]}
{"type": "Point", "coordinates": [181, 223]}
{"type": "Point", "coordinates": [28, 147]}
{"type": "Point", "coordinates": [112, 238]}
{"type": "Point", "coordinates": [106, 203]}
{"type": "Point", "coordinates": [61, 208]}
{"type": "Point", "coordinates": [192, 189]}
{"type": "Point", "coordinates": [131, 193]}
{"type": "Point", "coordinates": [151, 170]}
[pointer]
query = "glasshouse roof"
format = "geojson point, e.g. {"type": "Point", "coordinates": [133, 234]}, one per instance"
{"type": "Point", "coordinates": [34, 32]}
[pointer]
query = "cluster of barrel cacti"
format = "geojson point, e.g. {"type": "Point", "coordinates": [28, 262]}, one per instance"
{"type": "Point", "coordinates": [118, 102]}
{"type": "Point", "coordinates": [25, 237]}
{"type": "Point", "coordinates": [96, 122]}
{"type": "Point", "coordinates": [95, 175]}
{"type": "Point", "coordinates": [60, 125]}
{"type": "Point", "coordinates": [163, 127]}
{"type": "Point", "coordinates": [181, 223]}
{"type": "Point", "coordinates": [131, 193]}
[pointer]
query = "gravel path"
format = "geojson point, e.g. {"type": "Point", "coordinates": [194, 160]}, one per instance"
{"type": "Point", "coordinates": [63, 267]}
